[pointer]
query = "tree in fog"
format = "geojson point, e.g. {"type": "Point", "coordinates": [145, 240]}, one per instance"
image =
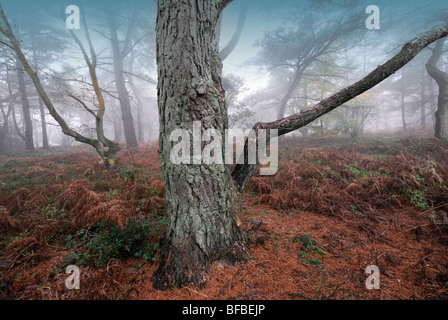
{"type": "Point", "coordinates": [312, 37]}
{"type": "Point", "coordinates": [120, 49]}
{"type": "Point", "coordinates": [203, 200]}
{"type": "Point", "coordinates": [138, 67]}
{"type": "Point", "coordinates": [43, 50]}
{"type": "Point", "coordinates": [441, 77]}
{"type": "Point", "coordinates": [106, 148]}
{"type": "Point", "coordinates": [6, 103]}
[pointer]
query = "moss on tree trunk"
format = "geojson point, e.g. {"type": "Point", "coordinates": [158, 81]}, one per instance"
{"type": "Point", "coordinates": [202, 200]}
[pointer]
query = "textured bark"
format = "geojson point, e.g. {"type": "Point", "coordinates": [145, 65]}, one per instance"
{"type": "Point", "coordinates": [202, 201]}
{"type": "Point", "coordinates": [441, 115]}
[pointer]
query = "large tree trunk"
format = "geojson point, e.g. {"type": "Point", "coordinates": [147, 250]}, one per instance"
{"type": "Point", "coordinates": [202, 200]}
{"type": "Point", "coordinates": [441, 126]}
{"type": "Point", "coordinates": [441, 115]}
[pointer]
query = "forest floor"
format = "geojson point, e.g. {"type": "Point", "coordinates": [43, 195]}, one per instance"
{"type": "Point", "coordinates": [335, 207]}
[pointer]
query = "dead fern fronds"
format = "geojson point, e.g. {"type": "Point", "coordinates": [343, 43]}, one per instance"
{"type": "Point", "coordinates": [117, 211]}
{"type": "Point", "coordinates": [78, 197]}
{"type": "Point", "coordinates": [18, 200]}
{"type": "Point", "coordinates": [8, 224]}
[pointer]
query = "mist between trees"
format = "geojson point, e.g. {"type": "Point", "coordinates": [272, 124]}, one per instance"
{"type": "Point", "coordinates": [134, 71]}
{"type": "Point", "coordinates": [303, 52]}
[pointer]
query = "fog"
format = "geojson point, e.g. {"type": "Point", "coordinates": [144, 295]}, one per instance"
{"type": "Point", "coordinates": [286, 53]}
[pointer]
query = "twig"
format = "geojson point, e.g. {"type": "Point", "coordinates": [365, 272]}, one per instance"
{"type": "Point", "coordinates": [204, 295]}
{"type": "Point", "coordinates": [294, 294]}
{"type": "Point", "coordinates": [334, 291]}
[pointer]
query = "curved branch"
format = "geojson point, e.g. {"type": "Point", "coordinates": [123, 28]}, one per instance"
{"type": "Point", "coordinates": [222, 4]}
{"type": "Point", "coordinates": [228, 49]}
{"type": "Point", "coordinates": [97, 144]}
{"type": "Point", "coordinates": [431, 67]}
{"type": "Point", "coordinates": [82, 103]}
{"type": "Point", "coordinates": [16, 125]}
{"type": "Point", "coordinates": [243, 172]}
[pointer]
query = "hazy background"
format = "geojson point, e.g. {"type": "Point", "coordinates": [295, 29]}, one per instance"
{"type": "Point", "coordinates": [277, 38]}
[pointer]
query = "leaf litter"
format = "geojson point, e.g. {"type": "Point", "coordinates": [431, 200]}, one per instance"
{"type": "Point", "coordinates": [313, 228]}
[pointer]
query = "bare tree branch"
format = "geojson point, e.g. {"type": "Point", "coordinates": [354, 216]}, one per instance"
{"type": "Point", "coordinates": [127, 47]}
{"type": "Point", "coordinates": [431, 66]}
{"type": "Point", "coordinates": [149, 80]}
{"type": "Point", "coordinates": [99, 144]}
{"type": "Point", "coordinates": [243, 172]}
{"type": "Point", "coordinates": [227, 50]}
{"type": "Point", "coordinates": [5, 44]}
{"type": "Point", "coordinates": [71, 95]}
{"type": "Point", "coordinates": [222, 4]}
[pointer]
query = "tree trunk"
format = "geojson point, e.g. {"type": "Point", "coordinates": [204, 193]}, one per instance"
{"type": "Point", "coordinates": [28, 124]}
{"type": "Point", "coordinates": [136, 91]}
{"type": "Point", "coordinates": [106, 148]}
{"type": "Point", "coordinates": [29, 143]}
{"type": "Point", "coordinates": [4, 128]}
{"type": "Point", "coordinates": [402, 104]}
{"type": "Point", "coordinates": [292, 86]}
{"type": "Point", "coordinates": [43, 122]}
{"type": "Point", "coordinates": [403, 111]}
{"type": "Point", "coordinates": [41, 104]}
{"type": "Point", "coordinates": [441, 126]}
{"type": "Point", "coordinates": [423, 102]}
{"type": "Point", "coordinates": [123, 95]}
{"type": "Point", "coordinates": [441, 115]}
{"type": "Point", "coordinates": [140, 134]}
{"type": "Point", "coordinates": [118, 132]}
{"type": "Point", "coordinates": [228, 49]}
{"type": "Point", "coordinates": [242, 172]}
{"type": "Point", "coordinates": [202, 200]}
